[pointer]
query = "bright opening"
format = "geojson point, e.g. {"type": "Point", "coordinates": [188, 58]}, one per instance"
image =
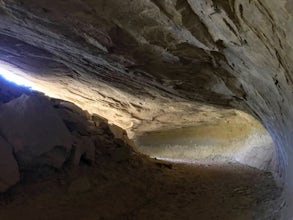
{"type": "Point", "coordinates": [13, 77]}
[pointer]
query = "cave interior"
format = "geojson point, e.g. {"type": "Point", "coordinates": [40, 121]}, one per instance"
{"type": "Point", "coordinates": [157, 109]}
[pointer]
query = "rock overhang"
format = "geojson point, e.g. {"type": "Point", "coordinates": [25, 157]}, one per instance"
{"type": "Point", "coordinates": [157, 64]}
{"type": "Point", "coordinates": [136, 109]}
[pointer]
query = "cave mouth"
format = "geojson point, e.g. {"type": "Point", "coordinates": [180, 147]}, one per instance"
{"type": "Point", "coordinates": [15, 78]}
{"type": "Point", "coordinates": [237, 138]}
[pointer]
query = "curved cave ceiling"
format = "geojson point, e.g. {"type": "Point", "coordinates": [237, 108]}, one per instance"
{"type": "Point", "coordinates": [150, 65]}
{"type": "Point", "coordinates": [237, 138]}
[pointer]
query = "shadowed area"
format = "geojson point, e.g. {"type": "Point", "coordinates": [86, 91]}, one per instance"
{"type": "Point", "coordinates": [151, 191]}
{"type": "Point", "coordinates": [64, 163]}
{"type": "Point", "coordinates": [205, 81]}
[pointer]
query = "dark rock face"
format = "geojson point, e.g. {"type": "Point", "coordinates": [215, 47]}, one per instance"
{"type": "Point", "coordinates": [35, 130]}
{"type": "Point", "coordinates": [150, 65]}
{"type": "Point", "coordinates": [9, 174]}
{"type": "Point", "coordinates": [39, 134]}
{"type": "Point", "coordinates": [10, 91]}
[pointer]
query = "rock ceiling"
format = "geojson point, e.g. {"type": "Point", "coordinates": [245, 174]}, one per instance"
{"type": "Point", "coordinates": [141, 64]}
{"type": "Point", "coordinates": [155, 64]}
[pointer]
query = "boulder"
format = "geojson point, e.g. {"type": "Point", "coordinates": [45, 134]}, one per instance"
{"type": "Point", "coordinates": [81, 127]}
{"type": "Point", "coordinates": [35, 130]}
{"type": "Point", "coordinates": [74, 118]}
{"type": "Point", "coordinates": [9, 173]}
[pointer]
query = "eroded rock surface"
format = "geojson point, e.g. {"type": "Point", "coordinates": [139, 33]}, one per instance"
{"type": "Point", "coordinates": [40, 135]}
{"type": "Point", "coordinates": [149, 64]}
{"type": "Point", "coordinates": [103, 177]}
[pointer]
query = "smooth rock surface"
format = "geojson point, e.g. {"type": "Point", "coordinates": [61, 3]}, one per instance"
{"type": "Point", "coordinates": [236, 138]}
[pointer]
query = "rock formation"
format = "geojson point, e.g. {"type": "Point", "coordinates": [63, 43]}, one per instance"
{"type": "Point", "coordinates": [90, 170]}
{"type": "Point", "coordinates": [236, 138]}
{"type": "Point", "coordinates": [8, 166]}
{"type": "Point", "coordinates": [39, 134]}
{"type": "Point", "coordinates": [35, 130]}
{"type": "Point", "coordinates": [148, 65]}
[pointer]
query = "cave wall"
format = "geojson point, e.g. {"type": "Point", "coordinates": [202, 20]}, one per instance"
{"type": "Point", "coordinates": [238, 138]}
{"type": "Point", "coordinates": [149, 65]}
{"type": "Point", "coordinates": [41, 136]}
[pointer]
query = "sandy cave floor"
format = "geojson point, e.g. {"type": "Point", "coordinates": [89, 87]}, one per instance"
{"type": "Point", "coordinates": [145, 191]}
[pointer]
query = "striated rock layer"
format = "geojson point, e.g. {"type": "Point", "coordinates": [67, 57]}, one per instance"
{"type": "Point", "coordinates": [149, 64]}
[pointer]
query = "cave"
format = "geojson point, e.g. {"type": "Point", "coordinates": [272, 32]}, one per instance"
{"type": "Point", "coordinates": [235, 138]}
{"type": "Point", "coordinates": [146, 109]}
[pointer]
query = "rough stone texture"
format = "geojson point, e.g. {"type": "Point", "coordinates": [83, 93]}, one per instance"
{"type": "Point", "coordinates": [35, 130]}
{"type": "Point", "coordinates": [81, 127]}
{"type": "Point", "coordinates": [104, 178]}
{"type": "Point", "coordinates": [149, 64]}
{"type": "Point", "coordinates": [9, 174]}
{"type": "Point", "coordinates": [46, 132]}
{"type": "Point", "coordinates": [113, 84]}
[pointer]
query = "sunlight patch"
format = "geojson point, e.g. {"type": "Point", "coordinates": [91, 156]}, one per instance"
{"type": "Point", "coordinates": [12, 77]}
